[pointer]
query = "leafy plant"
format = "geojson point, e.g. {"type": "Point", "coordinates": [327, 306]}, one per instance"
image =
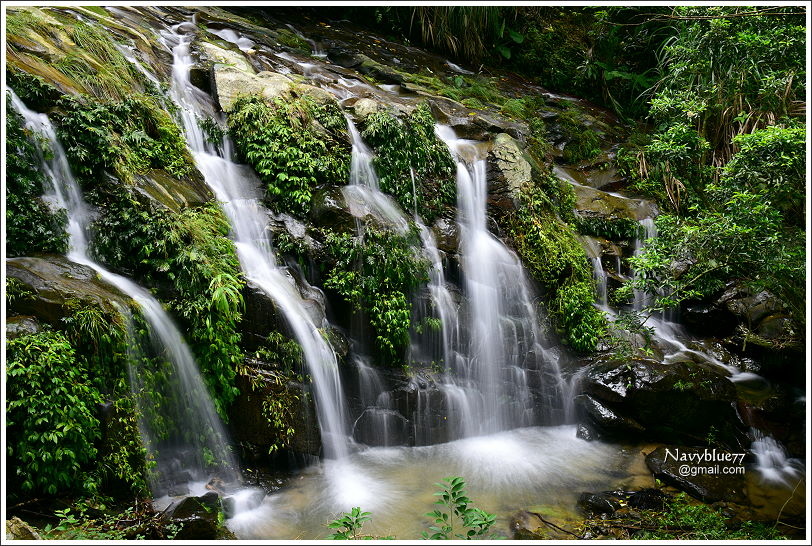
{"type": "Point", "coordinates": [413, 164]}
{"type": "Point", "coordinates": [376, 273]}
{"type": "Point", "coordinates": [471, 522]}
{"type": "Point", "coordinates": [554, 257]}
{"type": "Point", "coordinates": [349, 525]}
{"type": "Point", "coordinates": [50, 415]}
{"type": "Point", "coordinates": [293, 145]}
{"type": "Point", "coordinates": [188, 257]}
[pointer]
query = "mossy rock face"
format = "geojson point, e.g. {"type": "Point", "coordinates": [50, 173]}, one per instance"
{"type": "Point", "coordinates": [57, 284]}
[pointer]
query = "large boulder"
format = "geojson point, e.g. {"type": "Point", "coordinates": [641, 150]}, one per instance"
{"type": "Point", "coordinates": [508, 171]}
{"type": "Point", "coordinates": [58, 286]}
{"type": "Point", "coordinates": [709, 475]}
{"type": "Point", "coordinates": [251, 425]}
{"type": "Point", "coordinates": [21, 326]}
{"type": "Point", "coordinates": [17, 529]}
{"type": "Point", "coordinates": [685, 402]}
{"type": "Point", "coordinates": [197, 517]}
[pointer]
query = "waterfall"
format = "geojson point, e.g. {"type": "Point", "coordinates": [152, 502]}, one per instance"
{"type": "Point", "coordinates": [240, 197]}
{"type": "Point", "coordinates": [363, 194]}
{"type": "Point", "coordinates": [503, 353]}
{"type": "Point", "coordinates": [190, 405]}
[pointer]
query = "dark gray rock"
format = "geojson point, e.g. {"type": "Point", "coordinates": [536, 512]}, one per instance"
{"type": "Point", "coordinates": [198, 517]}
{"type": "Point", "coordinates": [648, 499]}
{"type": "Point", "coordinates": [249, 424]}
{"type": "Point", "coordinates": [683, 402]}
{"type": "Point", "coordinates": [711, 483]}
{"type": "Point", "coordinates": [344, 57]}
{"type": "Point", "coordinates": [597, 503]}
{"type": "Point", "coordinates": [606, 420]}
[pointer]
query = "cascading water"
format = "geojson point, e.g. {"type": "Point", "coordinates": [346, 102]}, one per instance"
{"type": "Point", "coordinates": [187, 402]}
{"type": "Point", "coordinates": [238, 192]}
{"type": "Point", "coordinates": [503, 351]}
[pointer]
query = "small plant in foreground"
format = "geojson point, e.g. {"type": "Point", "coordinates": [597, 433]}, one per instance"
{"type": "Point", "coordinates": [349, 525]}
{"type": "Point", "coordinates": [475, 522]}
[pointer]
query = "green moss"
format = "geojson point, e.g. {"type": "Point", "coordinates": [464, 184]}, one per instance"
{"type": "Point", "coordinates": [583, 142]}
{"type": "Point", "coordinates": [376, 274]}
{"type": "Point", "coordinates": [288, 38]}
{"type": "Point", "coordinates": [31, 226]}
{"type": "Point", "coordinates": [410, 146]}
{"type": "Point", "coordinates": [189, 259]}
{"type": "Point", "coordinates": [461, 87]}
{"type": "Point", "coordinates": [555, 258]}
{"type": "Point", "coordinates": [294, 146]}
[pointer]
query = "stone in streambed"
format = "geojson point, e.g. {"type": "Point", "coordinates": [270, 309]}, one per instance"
{"type": "Point", "coordinates": [597, 503]}
{"type": "Point", "coordinates": [198, 517]}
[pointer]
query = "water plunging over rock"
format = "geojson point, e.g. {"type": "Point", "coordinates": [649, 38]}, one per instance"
{"type": "Point", "coordinates": [240, 198]}
{"type": "Point", "coordinates": [187, 402]}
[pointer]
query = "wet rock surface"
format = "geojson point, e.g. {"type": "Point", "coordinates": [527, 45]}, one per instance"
{"type": "Point", "coordinates": [198, 517]}
{"type": "Point", "coordinates": [644, 399]}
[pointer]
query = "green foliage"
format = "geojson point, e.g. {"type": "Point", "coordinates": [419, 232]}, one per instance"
{"type": "Point", "coordinates": [50, 415]}
{"type": "Point", "coordinates": [92, 519]}
{"type": "Point", "coordinates": [770, 162]}
{"type": "Point", "coordinates": [189, 258]}
{"type": "Point", "coordinates": [349, 525]}
{"type": "Point", "coordinates": [125, 138]}
{"type": "Point", "coordinates": [30, 225]}
{"type": "Point", "coordinates": [293, 145]}
{"type": "Point", "coordinates": [472, 522]}
{"type": "Point", "coordinates": [554, 257]}
{"type": "Point", "coordinates": [406, 147]}
{"type": "Point", "coordinates": [726, 75]}
{"type": "Point", "coordinates": [686, 520]}
{"type": "Point", "coordinates": [376, 273]}
{"type": "Point", "coordinates": [750, 233]}
{"type": "Point", "coordinates": [122, 463]}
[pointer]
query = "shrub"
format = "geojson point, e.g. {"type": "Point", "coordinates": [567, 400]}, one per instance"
{"type": "Point", "coordinates": [293, 145]}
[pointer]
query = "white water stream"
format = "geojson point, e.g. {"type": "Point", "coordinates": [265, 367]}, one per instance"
{"type": "Point", "coordinates": [239, 195]}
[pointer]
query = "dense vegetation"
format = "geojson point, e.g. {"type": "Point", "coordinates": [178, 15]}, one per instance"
{"type": "Point", "coordinates": [710, 125]}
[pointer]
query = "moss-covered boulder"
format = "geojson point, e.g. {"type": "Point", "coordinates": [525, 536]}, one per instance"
{"type": "Point", "coordinates": [56, 287]}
